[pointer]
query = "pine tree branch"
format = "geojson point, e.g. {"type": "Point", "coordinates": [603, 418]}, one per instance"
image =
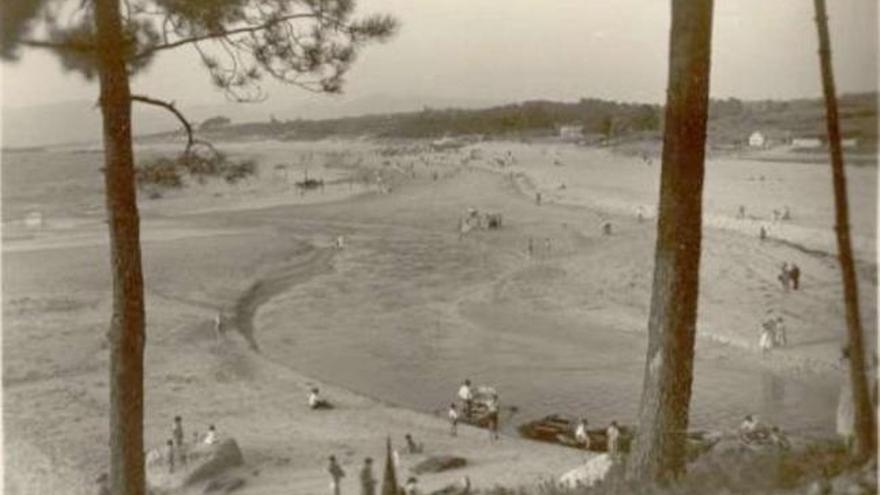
{"type": "Point", "coordinates": [190, 138]}
{"type": "Point", "coordinates": [224, 33]}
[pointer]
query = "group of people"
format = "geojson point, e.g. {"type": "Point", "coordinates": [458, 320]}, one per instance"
{"type": "Point", "coordinates": [753, 432]}
{"type": "Point", "coordinates": [367, 480]}
{"type": "Point", "coordinates": [176, 449]}
{"type": "Point", "coordinates": [773, 334]}
{"type": "Point", "coordinates": [612, 435]}
{"type": "Point", "coordinates": [790, 276]}
{"type": "Point", "coordinates": [468, 409]}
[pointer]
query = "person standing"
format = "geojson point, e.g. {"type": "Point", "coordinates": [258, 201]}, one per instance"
{"type": "Point", "coordinates": [779, 336]}
{"type": "Point", "coordinates": [453, 420]}
{"type": "Point", "coordinates": [492, 417]}
{"type": "Point", "coordinates": [368, 482]}
{"type": "Point", "coordinates": [170, 455]}
{"type": "Point", "coordinates": [336, 475]}
{"type": "Point", "coordinates": [581, 435]}
{"type": "Point", "coordinates": [765, 343]}
{"type": "Point", "coordinates": [177, 431]}
{"type": "Point", "coordinates": [467, 397]}
{"type": "Point", "coordinates": [795, 274]}
{"type": "Point", "coordinates": [784, 276]}
{"type": "Point", "coordinates": [613, 434]}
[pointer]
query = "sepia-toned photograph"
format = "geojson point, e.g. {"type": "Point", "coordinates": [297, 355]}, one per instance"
{"type": "Point", "coordinates": [439, 247]}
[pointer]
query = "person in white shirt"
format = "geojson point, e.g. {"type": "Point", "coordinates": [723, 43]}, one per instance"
{"type": "Point", "coordinates": [453, 419]}
{"type": "Point", "coordinates": [211, 436]}
{"type": "Point", "coordinates": [580, 434]}
{"type": "Point", "coordinates": [467, 396]}
{"type": "Point", "coordinates": [613, 433]}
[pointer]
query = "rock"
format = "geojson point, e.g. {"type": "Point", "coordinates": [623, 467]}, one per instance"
{"type": "Point", "coordinates": [221, 457]}
{"type": "Point", "coordinates": [223, 485]}
{"type": "Point", "coordinates": [589, 474]}
{"type": "Point", "coordinates": [440, 463]}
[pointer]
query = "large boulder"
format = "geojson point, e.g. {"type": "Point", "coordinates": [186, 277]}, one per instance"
{"type": "Point", "coordinates": [218, 459]}
{"type": "Point", "coordinates": [439, 463]}
{"type": "Point", "coordinates": [592, 472]}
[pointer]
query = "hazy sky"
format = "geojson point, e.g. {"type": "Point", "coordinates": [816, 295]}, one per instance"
{"type": "Point", "coordinates": [556, 49]}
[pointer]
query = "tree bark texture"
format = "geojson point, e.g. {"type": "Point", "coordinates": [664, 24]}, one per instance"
{"type": "Point", "coordinates": [864, 421]}
{"type": "Point", "coordinates": [126, 335]}
{"type": "Point", "coordinates": [659, 451]}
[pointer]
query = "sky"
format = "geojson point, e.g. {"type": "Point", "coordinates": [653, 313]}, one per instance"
{"type": "Point", "coordinates": [528, 49]}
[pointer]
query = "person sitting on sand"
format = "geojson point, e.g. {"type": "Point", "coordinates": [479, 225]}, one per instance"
{"type": "Point", "coordinates": [411, 446]}
{"type": "Point", "coordinates": [103, 482]}
{"type": "Point", "coordinates": [211, 436]}
{"type": "Point", "coordinates": [749, 427]}
{"type": "Point", "coordinates": [336, 475]}
{"type": "Point", "coordinates": [779, 438]}
{"type": "Point", "coordinates": [411, 487]}
{"type": "Point", "coordinates": [316, 402]}
{"type": "Point", "coordinates": [453, 420]}
{"type": "Point", "coordinates": [368, 482]}
{"type": "Point", "coordinates": [795, 274]}
{"type": "Point", "coordinates": [613, 434]}
{"type": "Point", "coordinates": [467, 397]}
{"type": "Point", "coordinates": [580, 434]}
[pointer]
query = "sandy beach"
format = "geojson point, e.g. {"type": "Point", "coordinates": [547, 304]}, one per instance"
{"type": "Point", "coordinates": [389, 325]}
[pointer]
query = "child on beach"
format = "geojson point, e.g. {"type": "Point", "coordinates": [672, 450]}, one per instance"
{"type": "Point", "coordinates": [177, 431]}
{"type": "Point", "coordinates": [411, 446]}
{"type": "Point", "coordinates": [765, 343]}
{"type": "Point", "coordinates": [453, 420]}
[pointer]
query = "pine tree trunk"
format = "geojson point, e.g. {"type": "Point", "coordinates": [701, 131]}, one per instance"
{"type": "Point", "coordinates": [659, 451]}
{"type": "Point", "coordinates": [865, 428]}
{"type": "Point", "coordinates": [126, 333]}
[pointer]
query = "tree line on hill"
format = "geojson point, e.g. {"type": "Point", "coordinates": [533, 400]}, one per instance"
{"type": "Point", "coordinates": [731, 121]}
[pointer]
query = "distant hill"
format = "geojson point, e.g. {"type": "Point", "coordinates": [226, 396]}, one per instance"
{"type": "Point", "coordinates": [80, 121]}
{"type": "Point", "coordinates": [731, 121]}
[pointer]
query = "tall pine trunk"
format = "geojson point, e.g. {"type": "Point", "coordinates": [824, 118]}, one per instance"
{"type": "Point", "coordinates": [126, 334]}
{"type": "Point", "coordinates": [659, 452]}
{"type": "Point", "coordinates": [865, 428]}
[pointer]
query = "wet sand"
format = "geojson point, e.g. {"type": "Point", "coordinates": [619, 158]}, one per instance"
{"type": "Point", "coordinates": [401, 315]}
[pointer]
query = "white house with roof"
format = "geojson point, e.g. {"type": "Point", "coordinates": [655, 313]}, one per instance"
{"type": "Point", "coordinates": [757, 140]}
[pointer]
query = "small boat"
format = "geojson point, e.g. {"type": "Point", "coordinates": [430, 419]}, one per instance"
{"type": "Point", "coordinates": [560, 430]}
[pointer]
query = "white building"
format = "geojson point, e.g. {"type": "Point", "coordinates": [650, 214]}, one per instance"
{"type": "Point", "coordinates": [806, 142]}
{"type": "Point", "coordinates": [571, 132]}
{"type": "Point", "coordinates": [757, 140]}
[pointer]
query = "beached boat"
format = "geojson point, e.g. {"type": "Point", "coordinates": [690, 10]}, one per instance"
{"type": "Point", "coordinates": [560, 430]}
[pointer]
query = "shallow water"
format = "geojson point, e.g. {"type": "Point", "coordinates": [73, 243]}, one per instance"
{"type": "Point", "coordinates": [592, 372]}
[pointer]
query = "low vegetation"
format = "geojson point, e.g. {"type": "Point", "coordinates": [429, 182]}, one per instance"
{"type": "Point", "coordinates": [821, 467]}
{"type": "Point", "coordinates": [172, 172]}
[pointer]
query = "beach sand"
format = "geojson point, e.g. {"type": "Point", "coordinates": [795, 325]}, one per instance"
{"type": "Point", "coordinates": [390, 325]}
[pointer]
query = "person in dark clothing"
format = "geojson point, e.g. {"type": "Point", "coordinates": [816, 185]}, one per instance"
{"type": "Point", "coordinates": [336, 475]}
{"type": "Point", "coordinates": [795, 274]}
{"type": "Point", "coordinates": [368, 482]}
